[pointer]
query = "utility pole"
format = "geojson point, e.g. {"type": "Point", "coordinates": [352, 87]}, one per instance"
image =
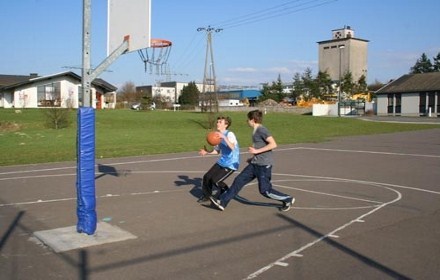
{"type": "Point", "coordinates": [209, 79]}
{"type": "Point", "coordinates": [341, 47]}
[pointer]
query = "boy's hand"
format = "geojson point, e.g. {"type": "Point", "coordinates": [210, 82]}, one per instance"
{"type": "Point", "coordinates": [252, 150]}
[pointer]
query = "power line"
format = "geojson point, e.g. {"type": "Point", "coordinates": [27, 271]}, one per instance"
{"type": "Point", "coordinates": [272, 12]}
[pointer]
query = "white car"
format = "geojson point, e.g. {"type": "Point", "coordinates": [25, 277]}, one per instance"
{"type": "Point", "coordinates": [138, 106]}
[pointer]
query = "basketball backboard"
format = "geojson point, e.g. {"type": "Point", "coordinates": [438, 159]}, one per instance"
{"type": "Point", "coordinates": [128, 17]}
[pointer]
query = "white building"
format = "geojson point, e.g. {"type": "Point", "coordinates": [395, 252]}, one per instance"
{"type": "Point", "coordinates": [61, 90]}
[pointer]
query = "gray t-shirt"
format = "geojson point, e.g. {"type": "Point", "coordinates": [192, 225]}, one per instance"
{"type": "Point", "coordinates": [259, 140]}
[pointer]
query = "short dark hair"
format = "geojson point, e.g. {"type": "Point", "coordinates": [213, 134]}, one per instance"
{"type": "Point", "coordinates": [227, 119]}
{"type": "Point", "coordinates": [255, 115]}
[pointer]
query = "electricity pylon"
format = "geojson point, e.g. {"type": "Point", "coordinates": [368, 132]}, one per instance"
{"type": "Point", "coordinates": [209, 79]}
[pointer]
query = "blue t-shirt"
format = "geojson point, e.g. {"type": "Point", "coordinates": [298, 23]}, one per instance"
{"type": "Point", "coordinates": [229, 158]}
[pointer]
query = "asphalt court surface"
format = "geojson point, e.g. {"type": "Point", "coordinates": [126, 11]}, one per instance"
{"type": "Point", "coordinates": [367, 207]}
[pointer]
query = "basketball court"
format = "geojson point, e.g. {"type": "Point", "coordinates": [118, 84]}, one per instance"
{"type": "Point", "coordinates": [367, 207]}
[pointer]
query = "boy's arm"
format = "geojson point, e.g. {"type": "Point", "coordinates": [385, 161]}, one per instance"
{"type": "Point", "coordinates": [230, 144]}
{"type": "Point", "coordinates": [204, 152]}
{"type": "Point", "coordinates": [271, 144]}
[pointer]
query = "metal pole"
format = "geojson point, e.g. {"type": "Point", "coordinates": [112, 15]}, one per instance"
{"type": "Point", "coordinates": [340, 76]}
{"type": "Point", "coordinates": [86, 98]}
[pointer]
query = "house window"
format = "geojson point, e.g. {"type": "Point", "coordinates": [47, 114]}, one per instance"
{"type": "Point", "coordinates": [398, 103]}
{"type": "Point", "coordinates": [438, 104]}
{"type": "Point", "coordinates": [422, 103]}
{"type": "Point", "coordinates": [431, 102]}
{"type": "Point", "coordinates": [49, 95]}
{"type": "Point", "coordinates": [390, 103]}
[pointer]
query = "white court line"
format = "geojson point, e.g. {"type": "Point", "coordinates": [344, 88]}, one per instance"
{"type": "Point", "coordinates": [328, 235]}
{"type": "Point", "coordinates": [197, 156]}
{"type": "Point", "coordinates": [371, 152]}
{"type": "Point", "coordinates": [39, 201]}
{"type": "Point", "coordinates": [358, 181]}
{"type": "Point", "coordinates": [323, 193]}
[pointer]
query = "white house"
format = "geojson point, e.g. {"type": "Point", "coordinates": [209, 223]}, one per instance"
{"type": "Point", "coordinates": [61, 90]}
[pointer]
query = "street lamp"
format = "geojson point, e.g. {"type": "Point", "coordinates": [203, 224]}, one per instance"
{"type": "Point", "coordinates": [340, 76]}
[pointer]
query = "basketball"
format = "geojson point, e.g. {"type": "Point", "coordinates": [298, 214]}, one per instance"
{"type": "Point", "coordinates": [213, 139]}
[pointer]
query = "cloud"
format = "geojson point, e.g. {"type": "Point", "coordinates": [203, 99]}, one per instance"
{"type": "Point", "coordinates": [279, 70]}
{"type": "Point", "coordinates": [250, 76]}
{"type": "Point", "coordinates": [243, 69]}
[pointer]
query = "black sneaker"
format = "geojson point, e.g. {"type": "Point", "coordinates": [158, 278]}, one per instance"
{"type": "Point", "coordinates": [217, 203]}
{"type": "Point", "coordinates": [287, 204]}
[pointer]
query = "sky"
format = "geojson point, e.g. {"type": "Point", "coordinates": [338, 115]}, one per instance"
{"type": "Point", "coordinates": [259, 39]}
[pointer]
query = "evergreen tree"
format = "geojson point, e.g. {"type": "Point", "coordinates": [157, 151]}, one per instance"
{"type": "Point", "coordinates": [423, 65]}
{"type": "Point", "coordinates": [265, 93]}
{"type": "Point", "coordinates": [323, 85]}
{"type": "Point", "coordinates": [347, 85]}
{"type": "Point", "coordinates": [361, 86]}
{"type": "Point", "coordinates": [436, 64]}
{"type": "Point", "coordinates": [274, 91]}
{"type": "Point", "coordinates": [308, 83]}
{"type": "Point", "coordinates": [190, 94]}
{"type": "Point", "coordinates": [277, 89]}
{"type": "Point", "coordinates": [298, 86]}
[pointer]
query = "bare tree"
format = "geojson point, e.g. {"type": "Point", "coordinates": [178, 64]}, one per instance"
{"type": "Point", "coordinates": [128, 94]}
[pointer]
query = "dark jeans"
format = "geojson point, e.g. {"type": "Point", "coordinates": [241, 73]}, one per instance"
{"type": "Point", "coordinates": [263, 173]}
{"type": "Point", "coordinates": [214, 178]}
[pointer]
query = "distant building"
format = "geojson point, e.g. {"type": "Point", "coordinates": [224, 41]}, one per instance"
{"type": "Point", "coordinates": [168, 93]}
{"type": "Point", "coordinates": [240, 94]}
{"type": "Point", "coordinates": [61, 90]}
{"type": "Point", "coordinates": [343, 53]}
{"type": "Point", "coordinates": [410, 95]}
{"type": "Point", "coordinates": [178, 86]}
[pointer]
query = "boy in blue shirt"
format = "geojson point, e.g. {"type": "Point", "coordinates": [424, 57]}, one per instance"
{"type": "Point", "coordinates": [228, 162]}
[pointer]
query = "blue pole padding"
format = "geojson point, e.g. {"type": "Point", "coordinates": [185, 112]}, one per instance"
{"type": "Point", "coordinates": [85, 182]}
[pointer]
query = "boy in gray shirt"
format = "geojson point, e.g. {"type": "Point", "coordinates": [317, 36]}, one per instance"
{"type": "Point", "coordinates": [260, 167]}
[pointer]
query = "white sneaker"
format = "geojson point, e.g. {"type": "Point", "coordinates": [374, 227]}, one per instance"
{"type": "Point", "coordinates": [287, 204]}
{"type": "Point", "coordinates": [217, 203]}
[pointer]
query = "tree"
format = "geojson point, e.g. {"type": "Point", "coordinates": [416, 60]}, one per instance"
{"type": "Point", "coordinates": [190, 94]}
{"type": "Point", "coordinates": [347, 85]}
{"type": "Point", "coordinates": [423, 65]}
{"type": "Point", "coordinates": [274, 91]}
{"type": "Point", "coordinates": [361, 86]}
{"type": "Point", "coordinates": [375, 86]}
{"type": "Point", "coordinates": [323, 85]}
{"type": "Point", "coordinates": [277, 89]}
{"type": "Point", "coordinates": [436, 64]}
{"type": "Point", "coordinates": [307, 87]}
{"type": "Point", "coordinates": [265, 93]}
{"type": "Point", "coordinates": [308, 83]}
{"type": "Point", "coordinates": [298, 86]}
{"type": "Point", "coordinates": [127, 93]}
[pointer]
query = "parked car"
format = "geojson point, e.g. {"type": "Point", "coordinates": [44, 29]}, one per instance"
{"type": "Point", "coordinates": [138, 106]}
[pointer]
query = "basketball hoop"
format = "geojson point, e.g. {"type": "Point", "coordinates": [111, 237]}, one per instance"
{"type": "Point", "coordinates": [156, 55]}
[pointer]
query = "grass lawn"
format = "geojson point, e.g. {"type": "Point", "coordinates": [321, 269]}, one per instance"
{"type": "Point", "coordinates": [25, 140]}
